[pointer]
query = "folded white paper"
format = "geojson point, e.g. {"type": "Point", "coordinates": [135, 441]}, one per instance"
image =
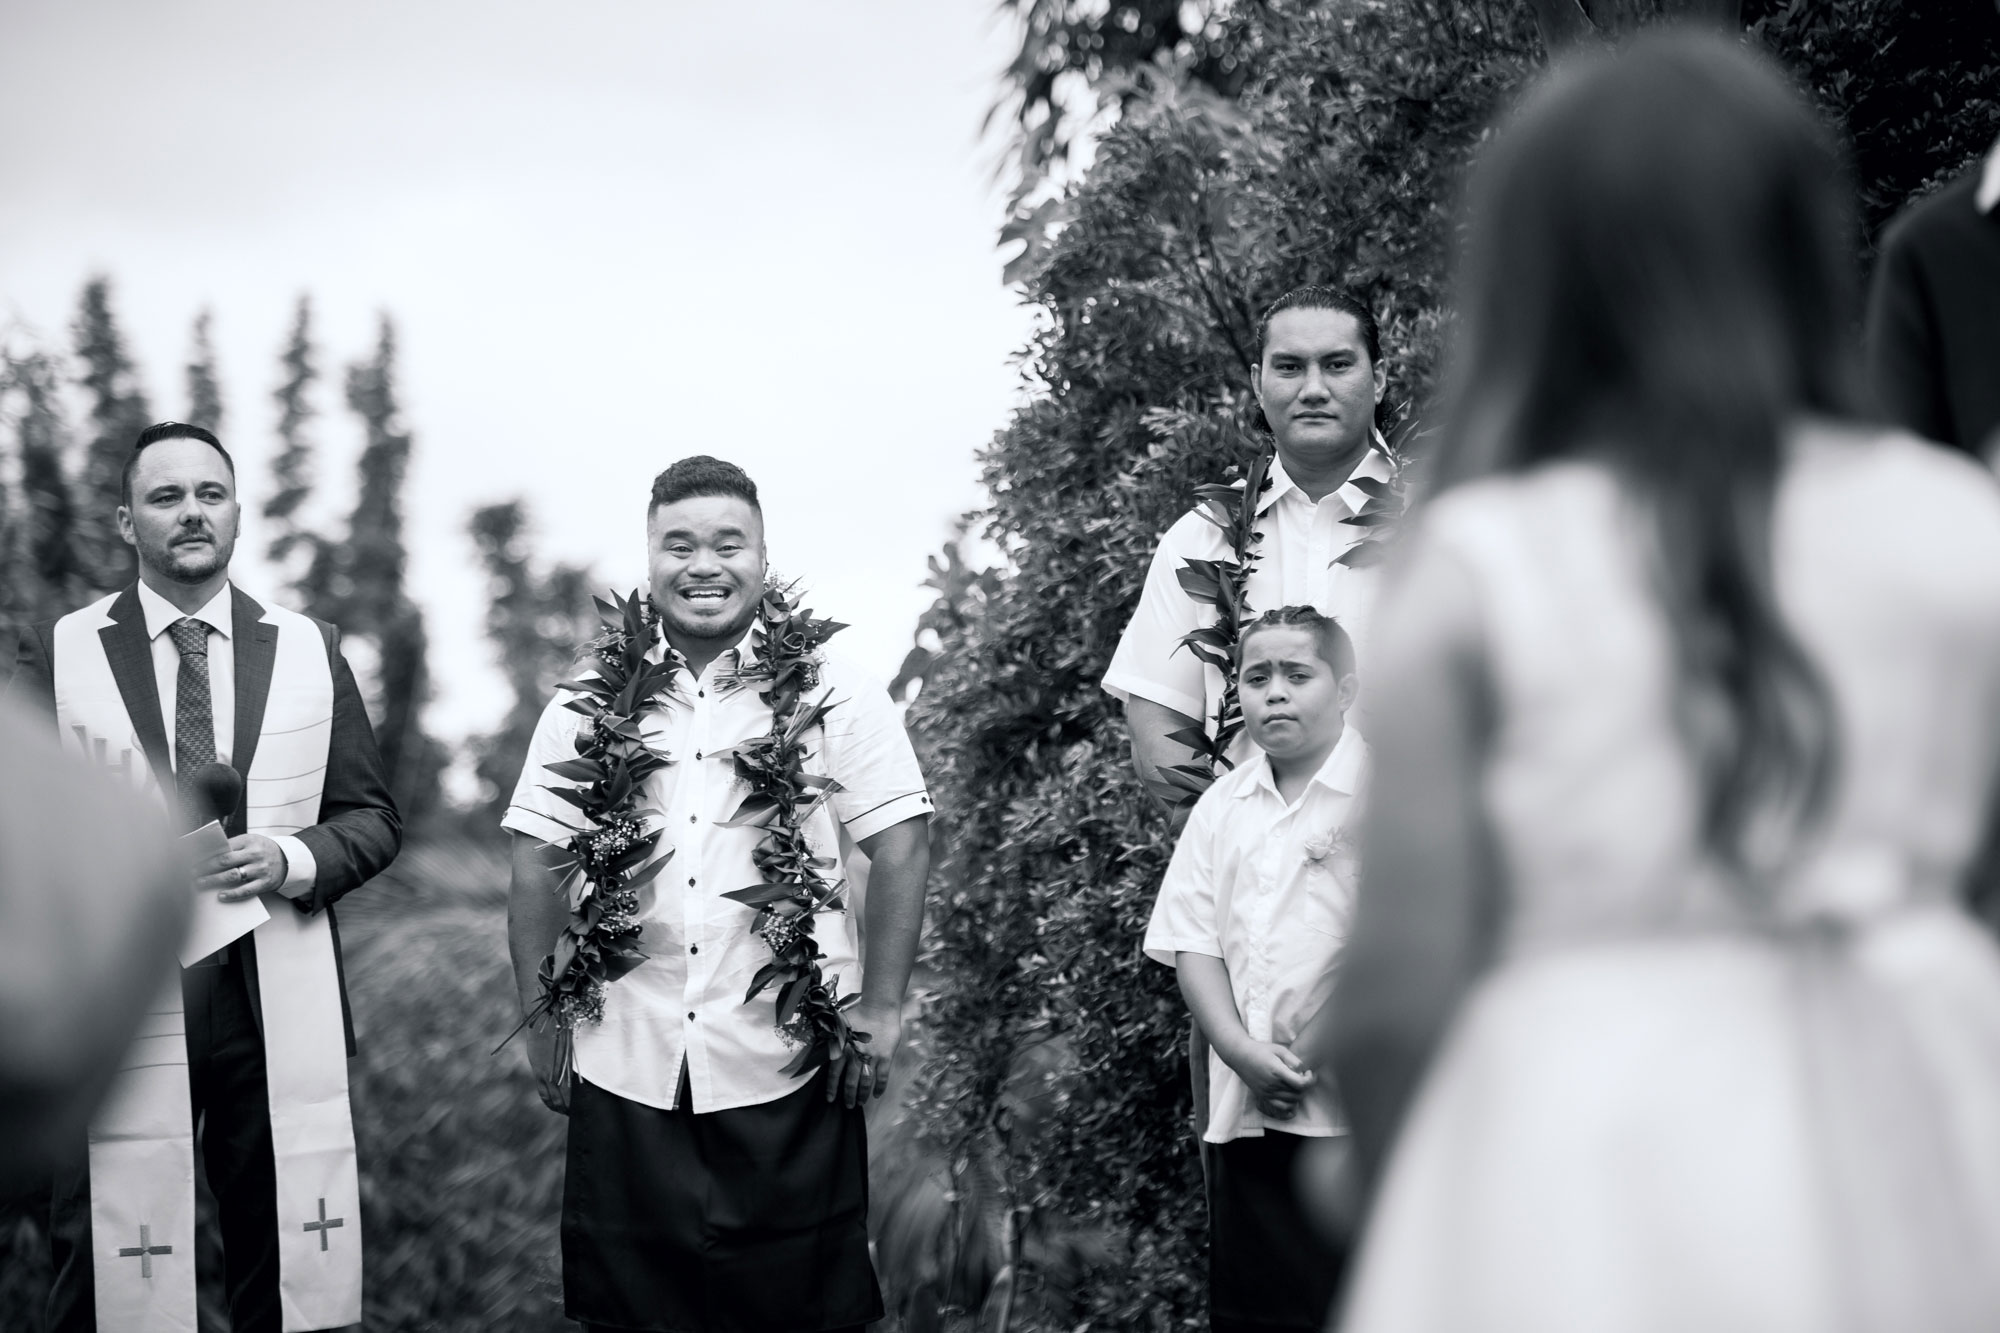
{"type": "Point", "coordinates": [214, 923]}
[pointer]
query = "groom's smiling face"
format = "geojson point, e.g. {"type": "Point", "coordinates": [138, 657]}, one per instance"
{"type": "Point", "coordinates": [706, 554]}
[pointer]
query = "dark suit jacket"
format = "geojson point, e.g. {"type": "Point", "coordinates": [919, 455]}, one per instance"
{"type": "Point", "coordinates": [1934, 319]}
{"type": "Point", "coordinates": [359, 830]}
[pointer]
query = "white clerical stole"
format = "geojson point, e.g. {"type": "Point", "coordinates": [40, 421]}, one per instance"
{"type": "Point", "coordinates": [141, 1141]}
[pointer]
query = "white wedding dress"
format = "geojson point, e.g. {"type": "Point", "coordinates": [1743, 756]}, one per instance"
{"type": "Point", "coordinates": [1652, 1115]}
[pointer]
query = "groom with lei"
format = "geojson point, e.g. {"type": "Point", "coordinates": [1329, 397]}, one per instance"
{"type": "Point", "coordinates": [172, 682]}
{"type": "Point", "coordinates": [689, 971]}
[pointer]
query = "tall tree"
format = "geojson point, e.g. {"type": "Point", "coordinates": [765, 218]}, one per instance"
{"type": "Point", "coordinates": [535, 620]}
{"type": "Point", "coordinates": [1087, 49]}
{"type": "Point", "coordinates": [292, 546]}
{"type": "Point", "coordinates": [364, 579]}
{"type": "Point", "coordinates": [46, 575]}
{"type": "Point", "coordinates": [117, 413]}
{"type": "Point", "coordinates": [204, 387]}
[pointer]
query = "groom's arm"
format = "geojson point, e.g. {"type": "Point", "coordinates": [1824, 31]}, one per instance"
{"type": "Point", "coordinates": [536, 914]}
{"type": "Point", "coordinates": [899, 863]}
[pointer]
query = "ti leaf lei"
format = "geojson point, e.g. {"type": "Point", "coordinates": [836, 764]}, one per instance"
{"type": "Point", "coordinates": [811, 1015]}
{"type": "Point", "coordinates": [606, 864]}
{"type": "Point", "coordinates": [1225, 585]}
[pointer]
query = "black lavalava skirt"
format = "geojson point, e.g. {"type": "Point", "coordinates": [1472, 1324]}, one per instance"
{"type": "Point", "coordinates": [750, 1220]}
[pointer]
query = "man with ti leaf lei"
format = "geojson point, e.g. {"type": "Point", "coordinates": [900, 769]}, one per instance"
{"type": "Point", "coordinates": [688, 969]}
{"type": "Point", "coordinates": [1301, 529]}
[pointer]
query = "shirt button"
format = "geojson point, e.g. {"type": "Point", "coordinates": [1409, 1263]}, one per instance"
{"type": "Point", "coordinates": [697, 754]}
{"type": "Point", "coordinates": [690, 819]}
{"type": "Point", "coordinates": [701, 694]}
{"type": "Point", "coordinates": [694, 948]}
{"type": "Point", "coordinates": [690, 1015]}
{"type": "Point", "coordinates": [690, 881]}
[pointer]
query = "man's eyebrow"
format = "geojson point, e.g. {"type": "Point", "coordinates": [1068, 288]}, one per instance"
{"type": "Point", "coordinates": [689, 533]}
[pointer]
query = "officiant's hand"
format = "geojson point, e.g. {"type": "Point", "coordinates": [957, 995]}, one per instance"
{"type": "Point", "coordinates": [253, 864]}
{"type": "Point", "coordinates": [855, 1080]}
{"type": "Point", "coordinates": [542, 1062]}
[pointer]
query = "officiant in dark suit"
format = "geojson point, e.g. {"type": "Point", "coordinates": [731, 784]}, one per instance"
{"type": "Point", "coordinates": [176, 673]}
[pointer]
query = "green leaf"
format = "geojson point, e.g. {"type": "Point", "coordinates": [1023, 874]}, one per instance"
{"type": "Point", "coordinates": [647, 873]}
{"type": "Point", "coordinates": [570, 794]}
{"type": "Point", "coordinates": [789, 996]}
{"type": "Point", "coordinates": [565, 954]}
{"type": "Point", "coordinates": [755, 812]}
{"type": "Point", "coordinates": [1364, 555]}
{"type": "Point", "coordinates": [766, 974]}
{"type": "Point", "coordinates": [762, 895]}
{"type": "Point", "coordinates": [1374, 518]}
{"type": "Point", "coordinates": [577, 770]}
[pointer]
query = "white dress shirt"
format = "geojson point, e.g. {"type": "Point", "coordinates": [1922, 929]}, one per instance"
{"type": "Point", "coordinates": [686, 999]}
{"type": "Point", "coordinates": [220, 616]}
{"type": "Point", "coordinates": [1267, 887]}
{"type": "Point", "coordinates": [1297, 565]}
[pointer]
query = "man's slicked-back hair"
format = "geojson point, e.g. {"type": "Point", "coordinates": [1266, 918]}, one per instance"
{"type": "Point", "coordinates": [169, 430]}
{"type": "Point", "coordinates": [1314, 297]}
{"type": "Point", "coordinates": [1336, 649]}
{"type": "Point", "coordinates": [701, 475]}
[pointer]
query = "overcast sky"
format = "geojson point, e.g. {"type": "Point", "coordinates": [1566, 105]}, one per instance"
{"type": "Point", "coordinates": [610, 233]}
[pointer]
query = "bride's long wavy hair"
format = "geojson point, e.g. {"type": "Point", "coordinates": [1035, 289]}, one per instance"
{"type": "Point", "coordinates": [1659, 273]}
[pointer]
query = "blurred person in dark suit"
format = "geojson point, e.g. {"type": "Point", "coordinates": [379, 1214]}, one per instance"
{"type": "Point", "coordinates": [92, 898]}
{"type": "Point", "coordinates": [158, 684]}
{"type": "Point", "coordinates": [1662, 1008]}
{"type": "Point", "coordinates": [1934, 315]}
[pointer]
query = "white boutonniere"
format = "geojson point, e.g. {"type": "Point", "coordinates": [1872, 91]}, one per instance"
{"type": "Point", "coordinates": [1332, 851]}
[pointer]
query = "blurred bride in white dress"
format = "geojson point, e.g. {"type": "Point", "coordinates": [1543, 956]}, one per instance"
{"type": "Point", "coordinates": [1662, 1010]}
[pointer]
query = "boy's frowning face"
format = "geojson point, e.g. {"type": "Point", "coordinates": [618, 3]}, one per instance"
{"type": "Point", "coordinates": [1293, 701]}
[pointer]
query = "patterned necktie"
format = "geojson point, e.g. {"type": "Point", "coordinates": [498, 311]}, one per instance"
{"type": "Point", "coordinates": [194, 711]}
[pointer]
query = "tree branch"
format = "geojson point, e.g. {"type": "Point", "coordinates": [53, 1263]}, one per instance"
{"type": "Point", "coordinates": [1562, 23]}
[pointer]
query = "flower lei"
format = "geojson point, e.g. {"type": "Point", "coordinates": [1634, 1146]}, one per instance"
{"type": "Point", "coordinates": [1225, 584]}
{"type": "Point", "coordinates": [811, 1015]}
{"type": "Point", "coordinates": [606, 863]}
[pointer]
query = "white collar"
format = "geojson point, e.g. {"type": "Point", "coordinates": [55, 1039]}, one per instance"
{"type": "Point", "coordinates": [1374, 465]}
{"type": "Point", "coordinates": [742, 651]}
{"type": "Point", "coordinates": [218, 615]}
{"type": "Point", "coordinates": [1340, 773]}
{"type": "Point", "coordinates": [1988, 194]}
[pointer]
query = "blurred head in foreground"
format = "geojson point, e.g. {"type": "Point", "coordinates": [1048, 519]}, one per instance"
{"type": "Point", "coordinates": [92, 904]}
{"type": "Point", "coordinates": [1660, 275]}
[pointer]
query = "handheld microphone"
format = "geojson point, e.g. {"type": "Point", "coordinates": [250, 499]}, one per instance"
{"type": "Point", "coordinates": [221, 788]}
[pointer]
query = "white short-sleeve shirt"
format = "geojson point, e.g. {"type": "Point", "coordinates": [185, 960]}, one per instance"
{"type": "Point", "coordinates": [1267, 887]}
{"type": "Point", "coordinates": [1298, 564]}
{"type": "Point", "coordinates": [686, 999]}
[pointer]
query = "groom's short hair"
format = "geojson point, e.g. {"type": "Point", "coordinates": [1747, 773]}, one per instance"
{"type": "Point", "coordinates": [702, 475]}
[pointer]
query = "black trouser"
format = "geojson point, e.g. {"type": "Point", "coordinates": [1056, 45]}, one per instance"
{"type": "Point", "coordinates": [232, 1118]}
{"type": "Point", "coordinates": [1268, 1269]}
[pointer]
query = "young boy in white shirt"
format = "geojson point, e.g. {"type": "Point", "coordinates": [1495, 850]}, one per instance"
{"type": "Point", "coordinates": [1251, 915]}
